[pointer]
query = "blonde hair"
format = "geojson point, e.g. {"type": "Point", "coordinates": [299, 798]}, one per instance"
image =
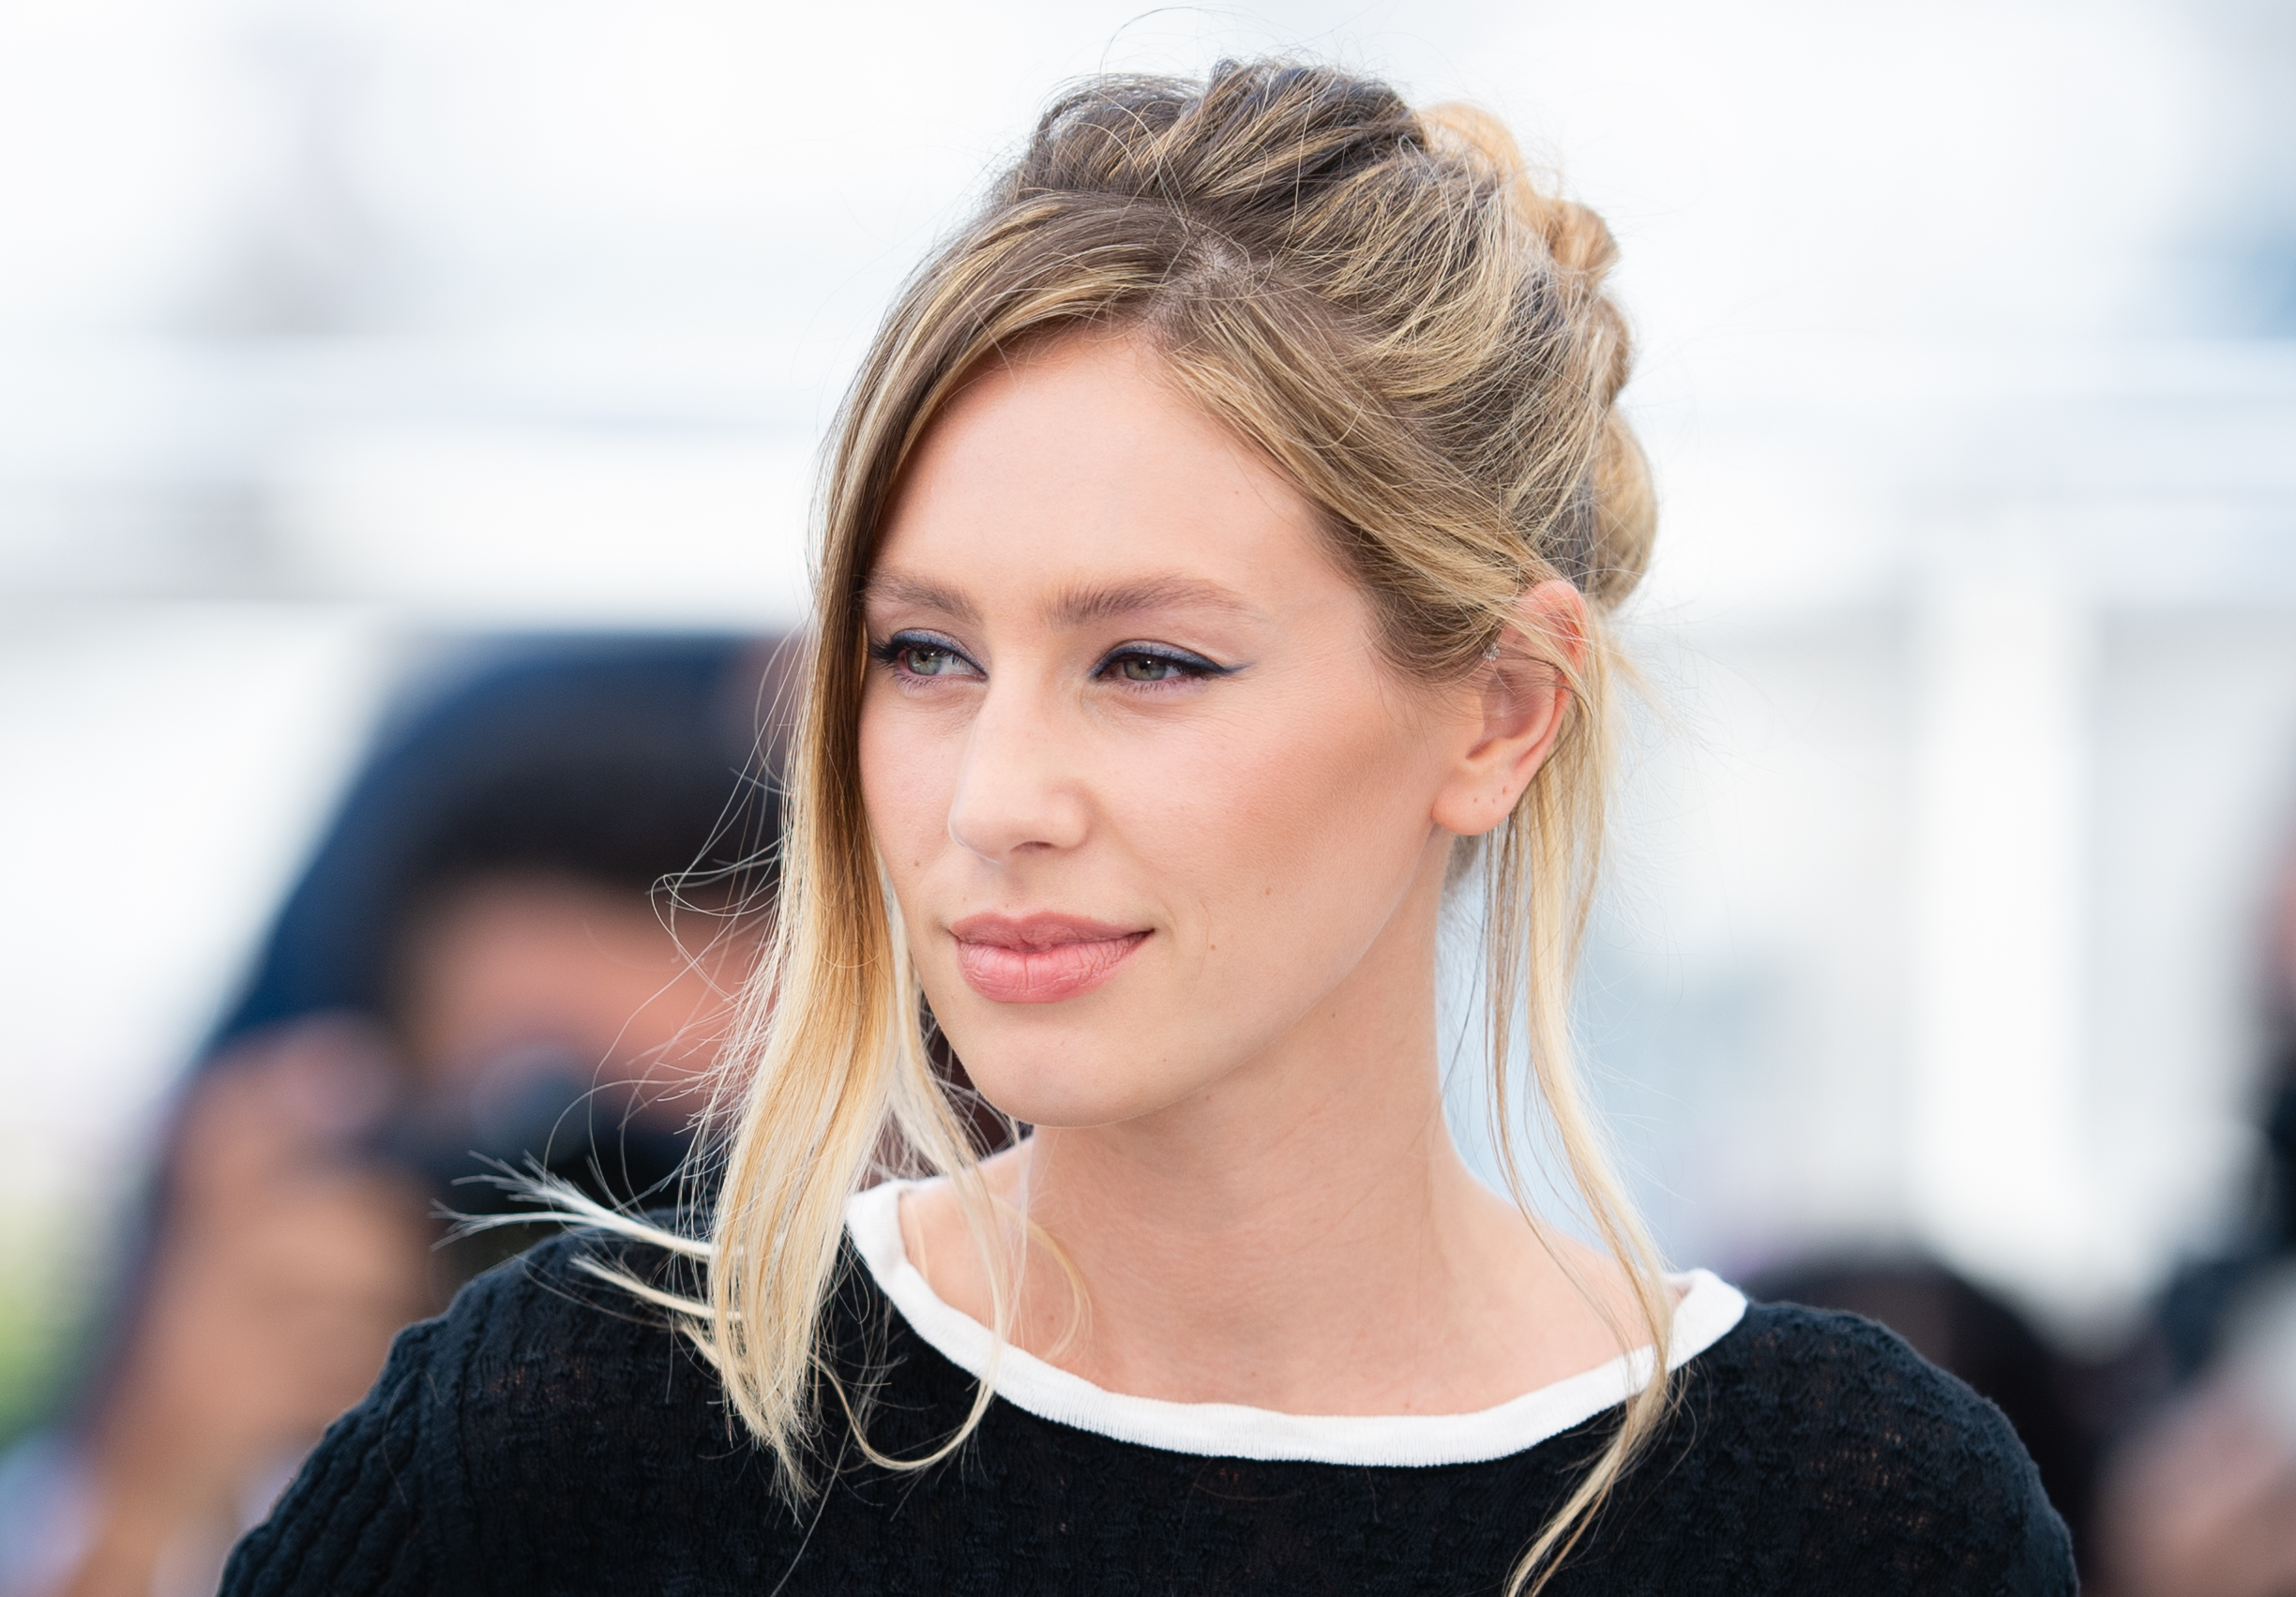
{"type": "Point", "coordinates": [1384, 303]}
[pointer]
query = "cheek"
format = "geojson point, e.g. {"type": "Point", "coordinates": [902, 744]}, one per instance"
{"type": "Point", "coordinates": [904, 790]}
{"type": "Point", "coordinates": [1286, 835]}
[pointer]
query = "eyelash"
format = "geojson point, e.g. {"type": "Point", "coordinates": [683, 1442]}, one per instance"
{"type": "Point", "coordinates": [1186, 667]}
{"type": "Point", "coordinates": [890, 653]}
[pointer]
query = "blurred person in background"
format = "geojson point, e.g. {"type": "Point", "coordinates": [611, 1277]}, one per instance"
{"type": "Point", "coordinates": [480, 963]}
{"type": "Point", "coordinates": [2172, 1460]}
{"type": "Point", "coordinates": [2200, 1495]}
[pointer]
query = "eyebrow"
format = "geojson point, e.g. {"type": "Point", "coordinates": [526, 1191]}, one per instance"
{"type": "Point", "coordinates": [1071, 606]}
{"type": "Point", "coordinates": [1079, 606]}
{"type": "Point", "coordinates": [895, 589]}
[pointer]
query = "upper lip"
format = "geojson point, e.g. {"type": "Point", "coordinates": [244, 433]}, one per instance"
{"type": "Point", "coordinates": [1037, 931]}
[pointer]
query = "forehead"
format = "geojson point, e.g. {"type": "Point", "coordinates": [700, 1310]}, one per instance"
{"type": "Point", "coordinates": [1080, 466]}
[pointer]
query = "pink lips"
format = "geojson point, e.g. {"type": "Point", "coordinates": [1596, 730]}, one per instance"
{"type": "Point", "coordinates": [1041, 959]}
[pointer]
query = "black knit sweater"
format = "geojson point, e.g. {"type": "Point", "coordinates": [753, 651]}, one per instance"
{"type": "Point", "coordinates": [548, 1435]}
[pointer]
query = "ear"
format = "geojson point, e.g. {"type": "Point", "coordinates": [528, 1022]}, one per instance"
{"type": "Point", "coordinates": [1521, 699]}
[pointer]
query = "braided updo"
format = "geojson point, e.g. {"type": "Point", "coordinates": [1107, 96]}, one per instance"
{"type": "Point", "coordinates": [1384, 303]}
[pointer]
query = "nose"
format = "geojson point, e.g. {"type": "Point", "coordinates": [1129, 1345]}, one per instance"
{"type": "Point", "coordinates": [1019, 790]}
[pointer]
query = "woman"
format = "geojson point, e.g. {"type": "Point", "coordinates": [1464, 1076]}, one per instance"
{"type": "Point", "coordinates": [1219, 545]}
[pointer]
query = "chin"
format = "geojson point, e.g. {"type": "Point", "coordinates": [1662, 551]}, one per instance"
{"type": "Point", "coordinates": [1062, 1080]}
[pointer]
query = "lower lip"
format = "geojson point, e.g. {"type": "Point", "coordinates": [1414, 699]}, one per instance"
{"type": "Point", "coordinates": [1043, 976]}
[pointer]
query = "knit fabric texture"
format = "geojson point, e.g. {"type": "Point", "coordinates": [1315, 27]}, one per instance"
{"type": "Point", "coordinates": [548, 1435]}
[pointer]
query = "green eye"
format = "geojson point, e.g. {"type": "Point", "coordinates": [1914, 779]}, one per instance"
{"type": "Point", "coordinates": [1147, 667]}
{"type": "Point", "coordinates": [923, 659]}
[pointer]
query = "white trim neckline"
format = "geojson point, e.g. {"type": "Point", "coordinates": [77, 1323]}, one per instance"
{"type": "Point", "coordinates": [1707, 1311]}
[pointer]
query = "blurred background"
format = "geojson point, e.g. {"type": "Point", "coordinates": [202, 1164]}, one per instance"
{"type": "Point", "coordinates": [338, 334]}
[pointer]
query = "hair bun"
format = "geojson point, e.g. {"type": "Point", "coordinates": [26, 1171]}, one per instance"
{"type": "Point", "coordinates": [1575, 237]}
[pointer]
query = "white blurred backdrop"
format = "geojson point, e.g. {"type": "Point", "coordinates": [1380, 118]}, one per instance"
{"type": "Point", "coordinates": [1967, 372]}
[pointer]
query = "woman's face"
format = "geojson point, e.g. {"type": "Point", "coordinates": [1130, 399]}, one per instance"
{"type": "Point", "coordinates": [1152, 804]}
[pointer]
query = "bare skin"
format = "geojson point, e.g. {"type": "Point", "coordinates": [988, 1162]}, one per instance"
{"type": "Point", "coordinates": [510, 961]}
{"type": "Point", "coordinates": [1122, 680]}
{"type": "Point", "coordinates": [2202, 1503]}
{"type": "Point", "coordinates": [289, 1263]}
{"type": "Point", "coordinates": [284, 1272]}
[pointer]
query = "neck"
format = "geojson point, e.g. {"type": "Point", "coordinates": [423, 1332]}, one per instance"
{"type": "Point", "coordinates": [1302, 1236]}
{"type": "Point", "coordinates": [1216, 1278]}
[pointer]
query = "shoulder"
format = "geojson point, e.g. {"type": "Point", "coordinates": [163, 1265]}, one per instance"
{"type": "Point", "coordinates": [1813, 1376]}
{"type": "Point", "coordinates": [541, 1383]}
{"type": "Point", "coordinates": [546, 1347]}
{"type": "Point", "coordinates": [1839, 1441]}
